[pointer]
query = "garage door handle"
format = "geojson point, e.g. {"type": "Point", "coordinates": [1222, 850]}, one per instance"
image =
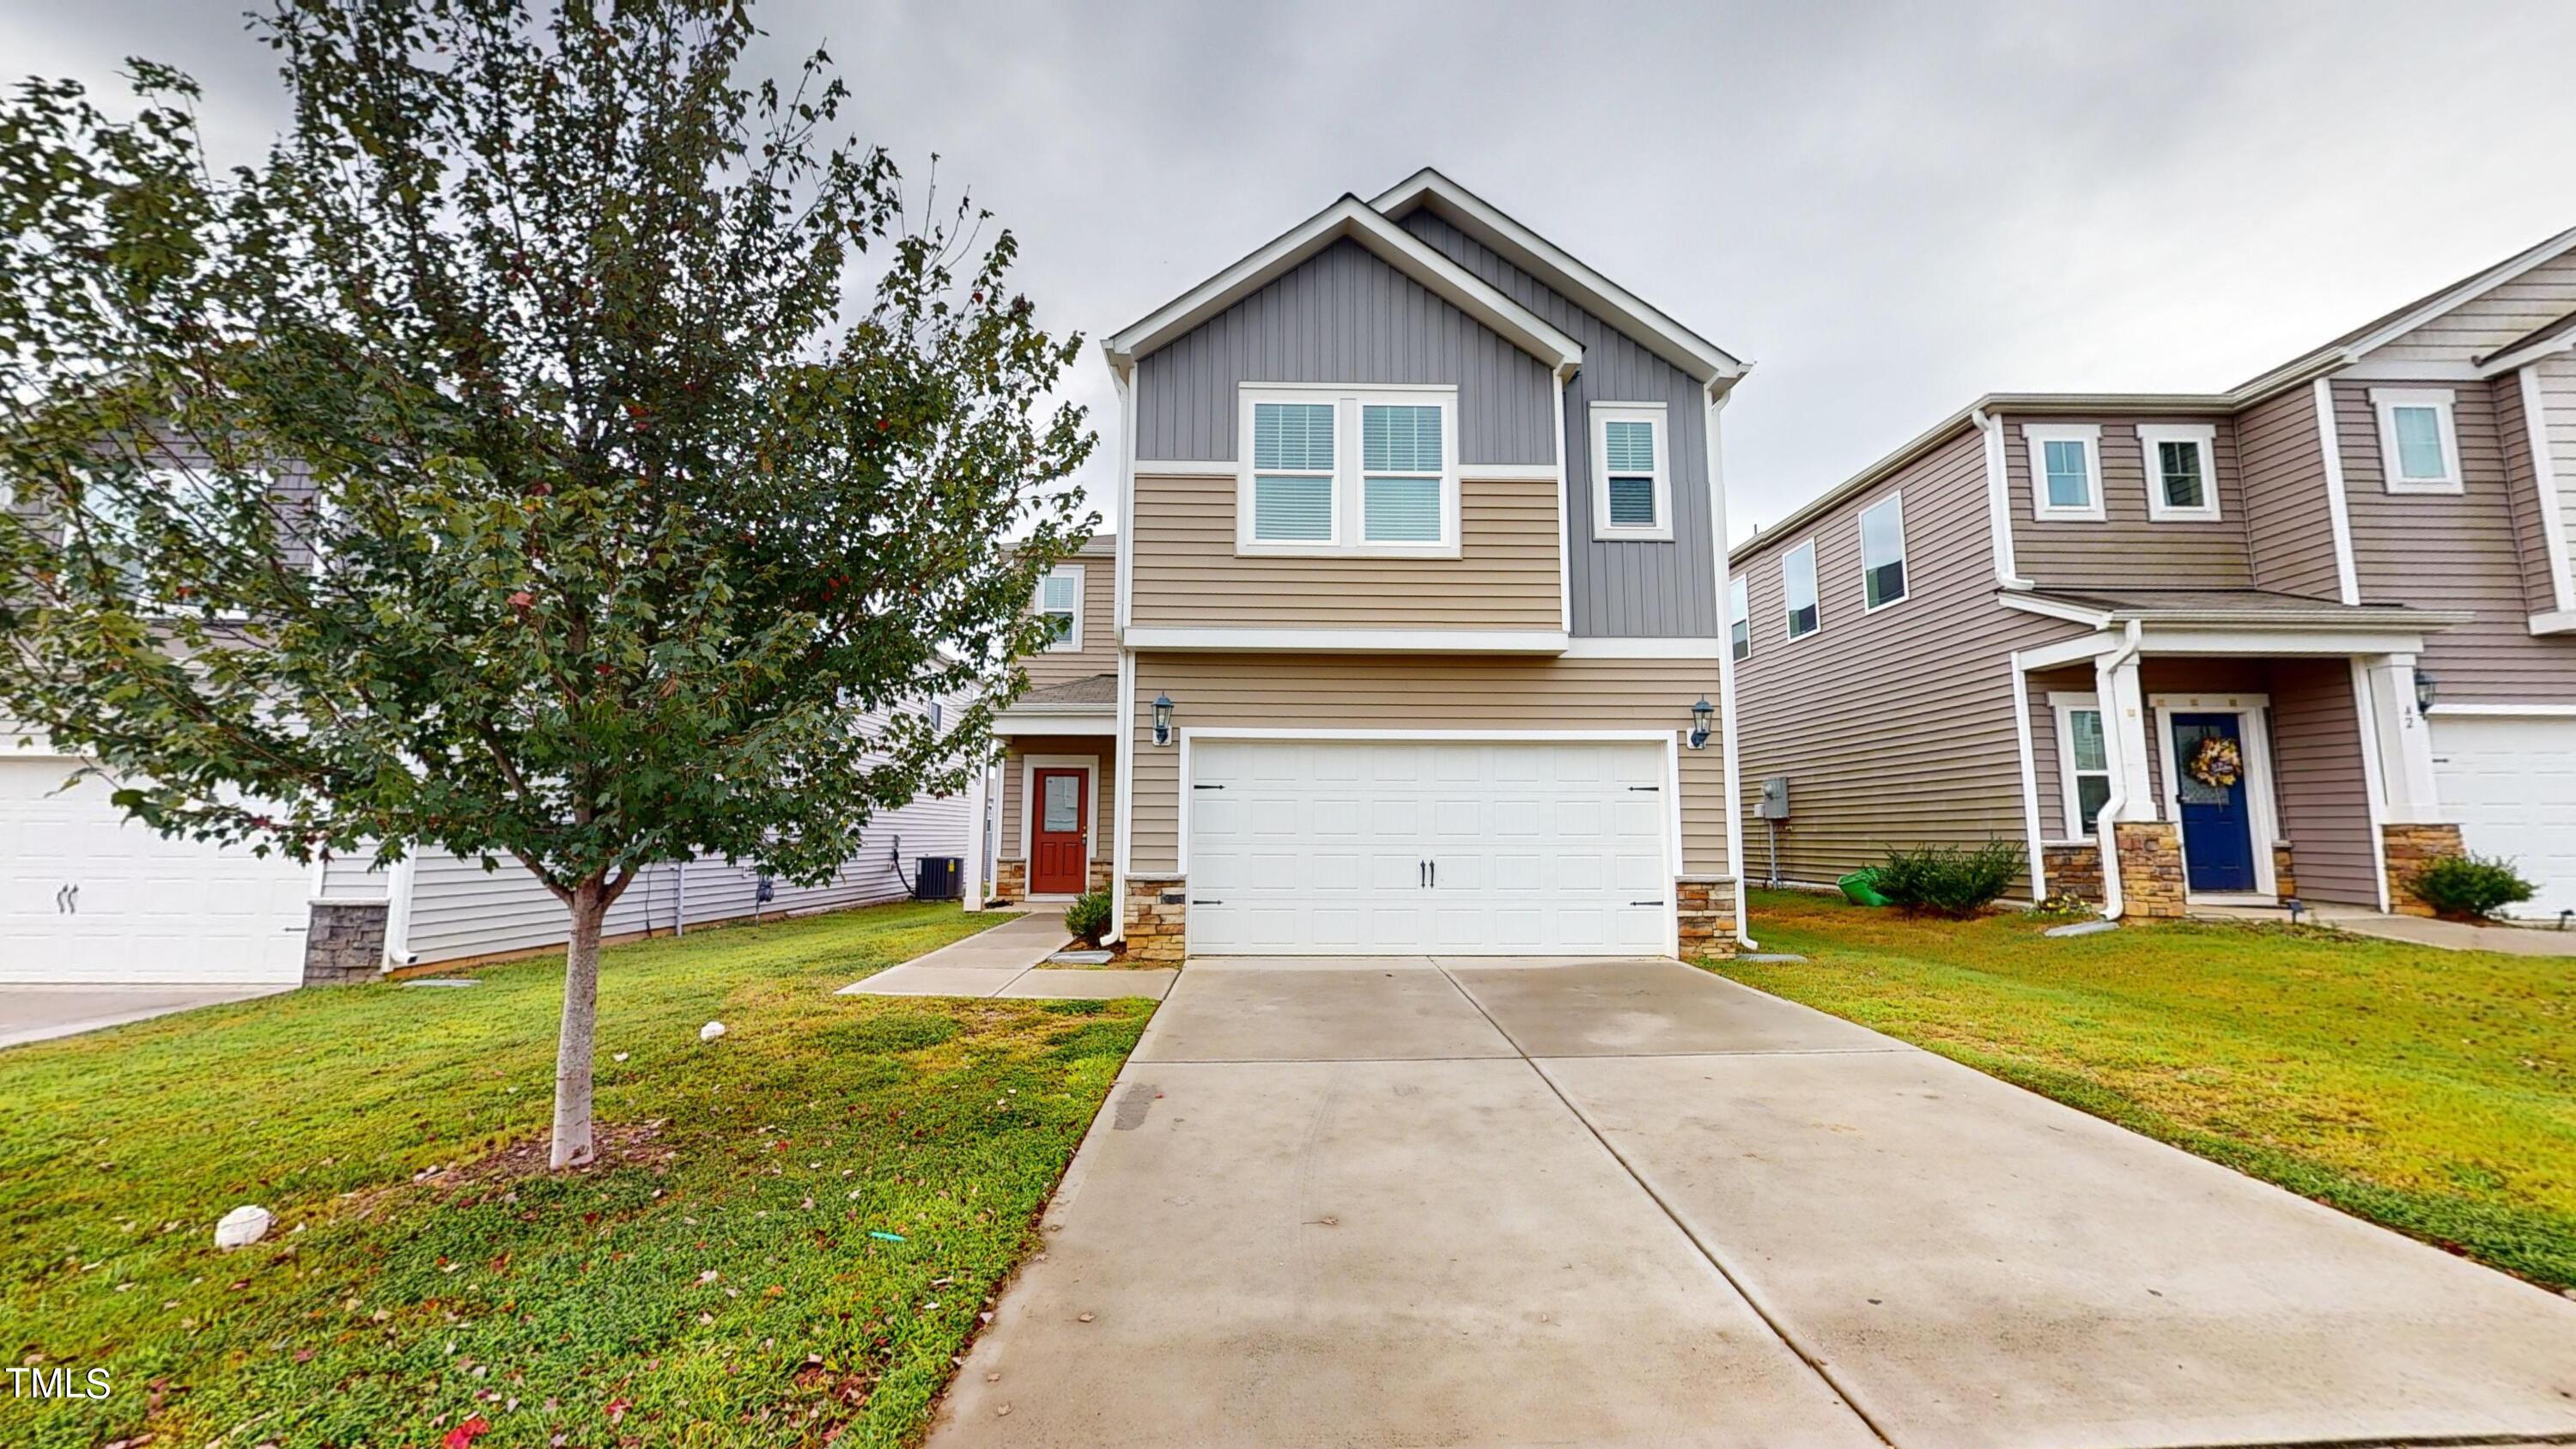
{"type": "Point", "coordinates": [1645, 903]}
{"type": "Point", "coordinates": [1435, 875]}
{"type": "Point", "coordinates": [1197, 902]}
{"type": "Point", "coordinates": [67, 901]}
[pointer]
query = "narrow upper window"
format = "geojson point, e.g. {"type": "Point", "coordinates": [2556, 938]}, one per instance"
{"type": "Point", "coordinates": [1631, 472]}
{"type": "Point", "coordinates": [1060, 604]}
{"type": "Point", "coordinates": [2418, 448]}
{"type": "Point", "coordinates": [2065, 470]}
{"type": "Point", "coordinates": [1798, 589]}
{"type": "Point", "coordinates": [2182, 471]}
{"type": "Point", "coordinates": [1882, 551]}
{"type": "Point", "coordinates": [1349, 470]}
{"type": "Point", "coordinates": [937, 716]}
{"type": "Point", "coordinates": [2084, 764]}
{"type": "Point", "coordinates": [1739, 618]}
{"type": "Point", "coordinates": [1292, 472]}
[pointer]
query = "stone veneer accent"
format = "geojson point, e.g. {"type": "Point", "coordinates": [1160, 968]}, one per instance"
{"type": "Point", "coordinates": [2285, 882]}
{"type": "Point", "coordinates": [1157, 918]}
{"type": "Point", "coordinates": [1707, 906]}
{"type": "Point", "coordinates": [2151, 879]}
{"type": "Point", "coordinates": [2073, 868]}
{"type": "Point", "coordinates": [1010, 880]}
{"type": "Point", "coordinates": [2410, 848]}
{"type": "Point", "coordinates": [1100, 875]}
{"type": "Point", "coordinates": [344, 942]}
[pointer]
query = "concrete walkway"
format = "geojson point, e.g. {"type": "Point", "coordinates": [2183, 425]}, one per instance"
{"type": "Point", "coordinates": [2414, 930]}
{"type": "Point", "coordinates": [41, 1013]}
{"type": "Point", "coordinates": [1408, 1201]}
{"type": "Point", "coordinates": [1007, 960]}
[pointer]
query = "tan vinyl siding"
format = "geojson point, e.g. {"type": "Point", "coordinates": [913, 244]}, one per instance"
{"type": "Point", "coordinates": [1894, 727]}
{"type": "Point", "coordinates": [2289, 525]}
{"type": "Point", "coordinates": [2127, 547]}
{"type": "Point", "coordinates": [2317, 764]}
{"type": "Point", "coordinates": [1187, 574]}
{"type": "Point", "coordinates": [2522, 492]}
{"type": "Point", "coordinates": [1422, 692]}
{"type": "Point", "coordinates": [2558, 408]}
{"type": "Point", "coordinates": [2527, 303]}
{"type": "Point", "coordinates": [2452, 552]}
{"type": "Point", "coordinates": [1099, 651]}
{"type": "Point", "coordinates": [1095, 748]}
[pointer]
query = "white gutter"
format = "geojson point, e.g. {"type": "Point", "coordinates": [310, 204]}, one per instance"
{"type": "Point", "coordinates": [1712, 403]}
{"type": "Point", "coordinates": [1999, 501]}
{"type": "Point", "coordinates": [2114, 900]}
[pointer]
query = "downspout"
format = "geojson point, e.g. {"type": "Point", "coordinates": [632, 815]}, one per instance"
{"type": "Point", "coordinates": [2114, 900]}
{"type": "Point", "coordinates": [398, 883]}
{"type": "Point", "coordinates": [1711, 405]}
{"type": "Point", "coordinates": [679, 899]}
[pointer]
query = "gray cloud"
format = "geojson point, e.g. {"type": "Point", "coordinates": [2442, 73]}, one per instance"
{"type": "Point", "coordinates": [1891, 208]}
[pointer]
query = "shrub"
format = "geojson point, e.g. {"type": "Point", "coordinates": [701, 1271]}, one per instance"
{"type": "Point", "coordinates": [1088, 916]}
{"type": "Point", "coordinates": [1945, 880]}
{"type": "Point", "coordinates": [2470, 887]}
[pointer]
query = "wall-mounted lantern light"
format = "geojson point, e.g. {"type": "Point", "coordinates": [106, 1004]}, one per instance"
{"type": "Point", "coordinates": [2426, 688]}
{"type": "Point", "coordinates": [1162, 719]}
{"type": "Point", "coordinates": [1703, 723]}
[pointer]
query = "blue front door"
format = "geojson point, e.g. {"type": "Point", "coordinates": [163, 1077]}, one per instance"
{"type": "Point", "coordinates": [2209, 779]}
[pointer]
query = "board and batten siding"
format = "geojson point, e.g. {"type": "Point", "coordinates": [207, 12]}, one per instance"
{"type": "Point", "coordinates": [2127, 548]}
{"type": "Point", "coordinates": [1098, 749]}
{"type": "Point", "coordinates": [1187, 573]}
{"type": "Point", "coordinates": [1420, 692]}
{"type": "Point", "coordinates": [1894, 727]}
{"type": "Point", "coordinates": [2289, 523]}
{"type": "Point", "coordinates": [1099, 652]}
{"type": "Point", "coordinates": [1343, 316]}
{"type": "Point", "coordinates": [1620, 588]}
{"type": "Point", "coordinates": [2481, 325]}
{"type": "Point", "coordinates": [2452, 551]}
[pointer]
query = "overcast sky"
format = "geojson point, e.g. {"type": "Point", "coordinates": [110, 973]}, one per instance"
{"type": "Point", "coordinates": [1890, 209]}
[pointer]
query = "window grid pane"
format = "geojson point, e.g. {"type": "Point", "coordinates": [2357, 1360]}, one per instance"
{"type": "Point", "coordinates": [1401, 510]}
{"type": "Point", "coordinates": [1400, 439]}
{"type": "Point", "coordinates": [1798, 585]}
{"type": "Point", "coordinates": [2070, 483]}
{"type": "Point", "coordinates": [2092, 792]}
{"type": "Point", "coordinates": [2084, 730]}
{"type": "Point", "coordinates": [1059, 591]}
{"type": "Point", "coordinates": [1882, 552]}
{"type": "Point", "coordinates": [1632, 501]}
{"type": "Point", "coordinates": [1292, 509]}
{"type": "Point", "coordinates": [1629, 447]}
{"type": "Point", "coordinates": [1292, 437]}
{"type": "Point", "coordinates": [2179, 464]}
{"type": "Point", "coordinates": [2419, 443]}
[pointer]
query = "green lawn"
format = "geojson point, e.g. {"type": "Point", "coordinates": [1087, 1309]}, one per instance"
{"type": "Point", "coordinates": [723, 1283]}
{"type": "Point", "coordinates": [2432, 1091]}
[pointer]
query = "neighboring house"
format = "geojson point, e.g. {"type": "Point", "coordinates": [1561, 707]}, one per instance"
{"type": "Point", "coordinates": [1409, 638]}
{"type": "Point", "coordinates": [2352, 574]}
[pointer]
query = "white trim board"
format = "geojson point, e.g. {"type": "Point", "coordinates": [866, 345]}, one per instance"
{"type": "Point", "coordinates": [2338, 510]}
{"type": "Point", "coordinates": [1643, 648]}
{"type": "Point", "coordinates": [2505, 711]}
{"type": "Point", "coordinates": [2544, 478]}
{"type": "Point", "coordinates": [1350, 641]}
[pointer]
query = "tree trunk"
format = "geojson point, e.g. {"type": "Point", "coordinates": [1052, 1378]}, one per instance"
{"type": "Point", "coordinates": [580, 1016]}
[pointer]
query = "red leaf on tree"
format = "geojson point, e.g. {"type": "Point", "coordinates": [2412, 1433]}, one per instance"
{"type": "Point", "coordinates": [523, 600]}
{"type": "Point", "coordinates": [464, 1435]}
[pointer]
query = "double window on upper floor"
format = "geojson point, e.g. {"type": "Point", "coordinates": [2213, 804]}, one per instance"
{"type": "Point", "coordinates": [1349, 470]}
{"type": "Point", "coordinates": [1883, 579]}
{"type": "Point", "coordinates": [2178, 460]}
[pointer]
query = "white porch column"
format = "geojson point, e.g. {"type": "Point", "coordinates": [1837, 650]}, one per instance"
{"type": "Point", "coordinates": [977, 838]}
{"type": "Point", "coordinates": [2124, 734]}
{"type": "Point", "coordinates": [2405, 741]}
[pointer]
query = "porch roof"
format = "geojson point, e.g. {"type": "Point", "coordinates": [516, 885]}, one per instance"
{"type": "Point", "coordinates": [2242, 608]}
{"type": "Point", "coordinates": [1088, 705]}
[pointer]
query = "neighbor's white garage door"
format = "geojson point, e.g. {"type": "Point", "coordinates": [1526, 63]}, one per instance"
{"type": "Point", "coordinates": [2510, 781]}
{"type": "Point", "coordinates": [86, 898]}
{"type": "Point", "coordinates": [1312, 848]}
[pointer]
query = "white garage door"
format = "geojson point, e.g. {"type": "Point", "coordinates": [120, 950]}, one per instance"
{"type": "Point", "coordinates": [1311, 848]}
{"type": "Point", "coordinates": [87, 898]}
{"type": "Point", "coordinates": [2511, 783]}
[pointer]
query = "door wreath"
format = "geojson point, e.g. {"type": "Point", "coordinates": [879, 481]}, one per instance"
{"type": "Point", "coordinates": [2216, 762]}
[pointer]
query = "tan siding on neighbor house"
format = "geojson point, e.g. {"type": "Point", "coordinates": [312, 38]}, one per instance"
{"type": "Point", "coordinates": [1894, 727]}
{"type": "Point", "coordinates": [1187, 574]}
{"type": "Point", "coordinates": [2527, 303]}
{"type": "Point", "coordinates": [1421, 692]}
{"type": "Point", "coordinates": [2452, 552]}
{"type": "Point", "coordinates": [2127, 547]}
{"type": "Point", "coordinates": [1099, 651]}
{"type": "Point", "coordinates": [1096, 748]}
{"type": "Point", "coordinates": [2289, 527]}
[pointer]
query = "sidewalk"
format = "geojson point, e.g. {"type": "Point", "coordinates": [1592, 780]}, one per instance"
{"type": "Point", "coordinates": [1008, 961]}
{"type": "Point", "coordinates": [2414, 930]}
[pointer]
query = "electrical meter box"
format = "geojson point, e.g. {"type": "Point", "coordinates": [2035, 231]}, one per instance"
{"type": "Point", "coordinates": [1774, 804]}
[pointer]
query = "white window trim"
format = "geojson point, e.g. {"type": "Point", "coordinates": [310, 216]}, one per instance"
{"type": "Point", "coordinates": [1089, 765]}
{"type": "Point", "coordinates": [1739, 610]}
{"type": "Point", "coordinates": [2385, 401]}
{"type": "Point", "coordinates": [2151, 440]}
{"type": "Point", "coordinates": [1072, 643]}
{"type": "Point", "coordinates": [1788, 611]}
{"type": "Point", "coordinates": [2063, 705]}
{"type": "Point", "coordinates": [1603, 530]}
{"type": "Point", "coordinates": [1860, 523]}
{"type": "Point", "coordinates": [1349, 526]}
{"type": "Point", "coordinates": [2036, 437]}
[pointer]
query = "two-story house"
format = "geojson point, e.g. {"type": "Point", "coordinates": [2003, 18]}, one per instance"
{"type": "Point", "coordinates": [2292, 638]}
{"type": "Point", "coordinates": [1410, 636]}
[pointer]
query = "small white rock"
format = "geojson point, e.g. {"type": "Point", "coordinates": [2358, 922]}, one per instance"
{"type": "Point", "coordinates": [711, 1031]}
{"type": "Point", "coordinates": [621, 1056]}
{"type": "Point", "coordinates": [243, 1226]}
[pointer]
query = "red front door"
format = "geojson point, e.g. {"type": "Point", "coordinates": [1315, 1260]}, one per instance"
{"type": "Point", "coordinates": [1059, 863]}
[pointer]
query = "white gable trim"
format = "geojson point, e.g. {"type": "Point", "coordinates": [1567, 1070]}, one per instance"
{"type": "Point", "coordinates": [1704, 360]}
{"type": "Point", "coordinates": [2468, 291]}
{"type": "Point", "coordinates": [1353, 219]}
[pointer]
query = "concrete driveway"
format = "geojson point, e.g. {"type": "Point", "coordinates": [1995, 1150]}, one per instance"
{"type": "Point", "coordinates": [41, 1013]}
{"type": "Point", "coordinates": [1410, 1201]}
